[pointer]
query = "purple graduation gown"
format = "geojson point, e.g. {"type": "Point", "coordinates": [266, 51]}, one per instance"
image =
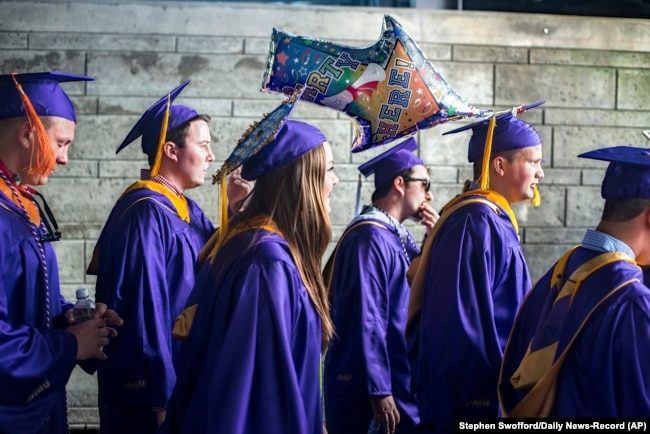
{"type": "Point", "coordinates": [251, 361]}
{"type": "Point", "coordinates": [36, 360]}
{"type": "Point", "coordinates": [476, 280]}
{"type": "Point", "coordinates": [367, 355]}
{"type": "Point", "coordinates": [146, 270]}
{"type": "Point", "coordinates": [606, 372]}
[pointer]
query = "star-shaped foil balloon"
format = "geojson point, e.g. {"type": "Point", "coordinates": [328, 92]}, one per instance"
{"type": "Point", "coordinates": [389, 88]}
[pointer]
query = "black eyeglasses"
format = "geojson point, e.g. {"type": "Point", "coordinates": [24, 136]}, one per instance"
{"type": "Point", "coordinates": [53, 233]}
{"type": "Point", "coordinates": [425, 181]}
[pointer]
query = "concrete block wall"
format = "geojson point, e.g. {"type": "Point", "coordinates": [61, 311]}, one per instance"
{"type": "Point", "coordinates": [593, 73]}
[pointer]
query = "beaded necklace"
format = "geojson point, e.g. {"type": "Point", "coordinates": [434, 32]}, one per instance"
{"type": "Point", "coordinates": [403, 234]}
{"type": "Point", "coordinates": [14, 184]}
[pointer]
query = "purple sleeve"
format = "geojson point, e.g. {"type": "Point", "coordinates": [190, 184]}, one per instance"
{"type": "Point", "coordinates": [145, 274]}
{"type": "Point", "coordinates": [362, 304]}
{"type": "Point", "coordinates": [30, 356]}
{"type": "Point", "coordinates": [35, 361]}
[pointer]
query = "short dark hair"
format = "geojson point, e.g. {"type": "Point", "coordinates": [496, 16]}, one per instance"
{"type": "Point", "coordinates": [510, 155]}
{"type": "Point", "coordinates": [383, 190]}
{"type": "Point", "coordinates": [178, 135]}
{"type": "Point", "coordinates": [624, 210]}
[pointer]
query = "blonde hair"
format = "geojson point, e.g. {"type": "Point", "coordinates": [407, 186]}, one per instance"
{"type": "Point", "coordinates": [292, 196]}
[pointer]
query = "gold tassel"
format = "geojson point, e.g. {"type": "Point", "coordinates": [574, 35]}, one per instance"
{"type": "Point", "coordinates": [487, 152]}
{"type": "Point", "coordinates": [45, 161]}
{"type": "Point", "coordinates": [161, 141]}
{"type": "Point", "coordinates": [223, 209]}
{"type": "Point", "coordinates": [537, 199]}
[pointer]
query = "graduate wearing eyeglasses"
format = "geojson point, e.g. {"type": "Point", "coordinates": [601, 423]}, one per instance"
{"type": "Point", "coordinates": [366, 373]}
{"type": "Point", "coordinates": [39, 346]}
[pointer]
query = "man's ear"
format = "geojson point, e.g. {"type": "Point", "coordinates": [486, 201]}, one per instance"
{"type": "Point", "coordinates": [498, 164]}
{"type": "Point", "coordinates": [399, 184]}
{"type": "Point", "coordinates": [170, 150]}
{"type": "Point", "coordinates": [26, 134]}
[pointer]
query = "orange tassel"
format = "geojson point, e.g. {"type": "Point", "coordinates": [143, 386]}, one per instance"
{"type": "Point", "coordinates": [43, 161]}
{"type": "Point", "coordinates": [161, 141]}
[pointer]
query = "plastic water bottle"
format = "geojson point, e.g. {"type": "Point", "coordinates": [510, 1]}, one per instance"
{"type": "Point", "coordinates": [84, 308]}
{"type": "Point", "coordinates": [374, 428]}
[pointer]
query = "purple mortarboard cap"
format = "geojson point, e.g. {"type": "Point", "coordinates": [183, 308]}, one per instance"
{"type": "Point", "coordinates": [628, 173]}
{"type": "Point", "coordinates": [44, 92]}
{"type": "Point", "coordinates": [150, 124]}
{"type": "Point", "coordinates": [294, 139]}
{"type": "Point", "coordinates": [392, 162]}
{"type": "Point", "coordinates": [509, 133]}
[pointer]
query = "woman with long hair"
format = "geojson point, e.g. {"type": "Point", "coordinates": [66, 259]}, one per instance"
{"type": "Point", "coordinates": [250, 363]}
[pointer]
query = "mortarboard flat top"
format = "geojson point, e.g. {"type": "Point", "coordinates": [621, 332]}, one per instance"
{"type": "Point", "coordinates": [628, 155]}
{"type": "Point", "coordinates": [284, 144]}
{"type": "Point", "coordinates": [509, 133]}
{"type": "Point", "coordinates": [628, 173]}
{"type": "Point", "coordinates": [44, 92]}
{"type": "Point", "coordinates": [150, 123]}
{"type": "Point", "coordinates": [392, 162]}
